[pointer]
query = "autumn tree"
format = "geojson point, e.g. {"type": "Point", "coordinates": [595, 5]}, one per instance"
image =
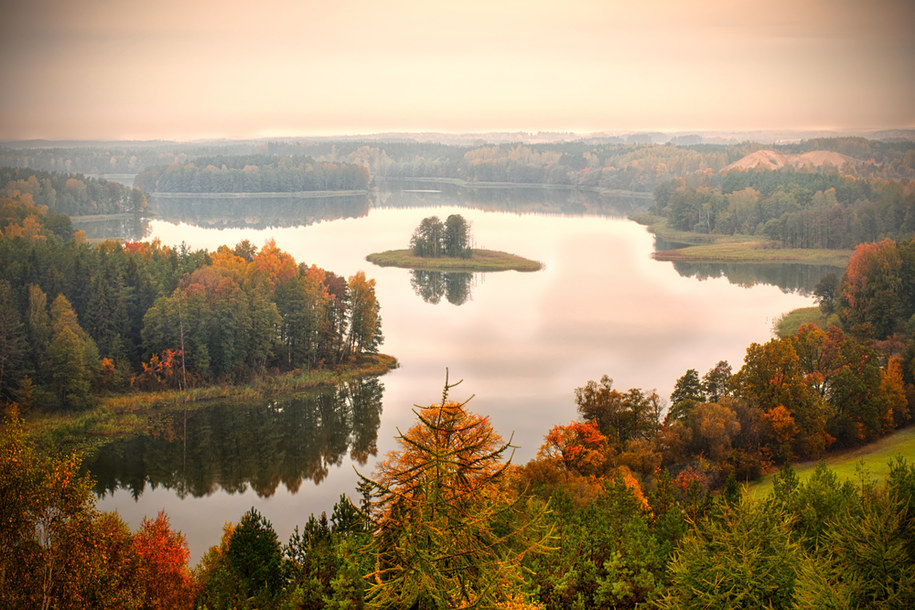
{"type": "Point", "coordinates": [365, 319]}
{"type": "Point", "coordinates": [447, 530]}
{"type": "Point", "coordinates": [772, 377]}
{"type": "Point", "coordinates": [620, 416]}
{"type": "Point", "coordinates": [870, 290]}
{"type": "Point", "coordinates": [846, 374]}
{"type": "Point", "coordinates": [56, 549]}
{"type": "Point", "coordinates": [714, 426]}
{"type": "Point", "coordinates": [164, 564]}
{"type": "Point", "coordinates": [578, 447]}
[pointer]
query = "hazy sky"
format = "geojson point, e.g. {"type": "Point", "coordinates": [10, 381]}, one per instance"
{"type": "Point", "coordinates": [188, 69]}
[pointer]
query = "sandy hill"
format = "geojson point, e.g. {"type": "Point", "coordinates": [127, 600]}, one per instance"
{"type": "Point", "coordinates": [769, 159]}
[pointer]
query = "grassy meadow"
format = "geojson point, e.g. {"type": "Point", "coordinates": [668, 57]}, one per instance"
{"type": "Point", "coordinates": [874, 459]}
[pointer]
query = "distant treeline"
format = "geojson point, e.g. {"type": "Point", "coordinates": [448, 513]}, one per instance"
{"type": "Point", "coordinates": [71, 194]}
{"type": "Point", "coordinates": [77, 319]}
{"type": "Point", "coordinates": [606, 163]}
{"type": "Point", "coordinates": [592, 163]}
{"type": "Point", "coordinates": [253, 174]}
{"type": "Point", "coordinates": [870, 197]}
{"type": "Point", "coordinates": [798, 209]}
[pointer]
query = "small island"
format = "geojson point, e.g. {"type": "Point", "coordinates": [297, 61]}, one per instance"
{"type": "Point", "coordinates": [438, 246]}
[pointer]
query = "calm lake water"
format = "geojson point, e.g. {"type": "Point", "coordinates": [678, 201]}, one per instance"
{"type": "Point", "coordinates": [521, 342]}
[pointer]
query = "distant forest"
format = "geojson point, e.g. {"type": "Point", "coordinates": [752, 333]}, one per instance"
{"type": "Point", "coordinates": [71, 194]}
{"type": "Point", "coordinates": [798, 209]}
{"type": "Point", "coordinates": [595, 164]}
{"type": "Point", "coordinates": [859, 191]}
{"type": "Point", "coordinates": [253, 174]}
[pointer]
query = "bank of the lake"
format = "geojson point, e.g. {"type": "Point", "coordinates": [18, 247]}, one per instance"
{"type": "Point", "coordinates": [705, 247]}
{"type": "Point", "coordinates": [120, 415]}
{"type": "Point", "coordinates": [479, 261]}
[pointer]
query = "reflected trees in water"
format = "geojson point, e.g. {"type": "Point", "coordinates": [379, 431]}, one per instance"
{"type": "Point", "coordinates": [790, 277]}
{"type": "Point", "coordinates": [431, 286]}
{"type": "Point", "coordinates": [233, 446]}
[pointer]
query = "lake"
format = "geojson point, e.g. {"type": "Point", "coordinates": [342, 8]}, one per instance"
{"type": "Point", "coordinates": [521, 342]}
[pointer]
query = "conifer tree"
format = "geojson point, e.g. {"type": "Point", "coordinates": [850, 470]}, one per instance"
{"type": "Point", "coordinates": [447, 531]}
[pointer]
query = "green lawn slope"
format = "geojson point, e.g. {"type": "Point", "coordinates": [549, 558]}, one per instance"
{"type": "Point", "coordinates": [874, 458]}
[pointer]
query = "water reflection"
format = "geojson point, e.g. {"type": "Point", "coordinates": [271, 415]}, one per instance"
{"type": "Point", "coordinates": [112, 226]}
{"type": "Point", "coordinates": [790, 277]}
{"type": "Point", "coordinates": [433, 285]}
{"type": "Point", "coordinates": [231, 447]}
{"type": "Point", "coordinates": [220, 211]}
{"type": "Point", "coordinates": [518, 200]}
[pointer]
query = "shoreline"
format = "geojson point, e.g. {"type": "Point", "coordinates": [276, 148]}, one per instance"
{"type": "Point", "coordinates": [120, 415]}
{"type": "Point", "coordinates": [714, 248]}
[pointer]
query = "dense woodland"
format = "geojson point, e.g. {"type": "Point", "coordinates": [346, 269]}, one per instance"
{"type": "Point", "coordinates": [634, 503]}
{"type": "Point", "coordinates": [797, 209]}
{"type": "Point", "coordinates": [79, 319]}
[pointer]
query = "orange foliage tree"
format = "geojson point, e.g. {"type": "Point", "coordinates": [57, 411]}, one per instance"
{"type": "Point", "coordinates": [578, 447]}
{"type": "Point", "coordinates": [870, 290]}
{"type": "Point", "coordinates": [448, 531]}
{"type": "Point", "coordinates": [164, 564]}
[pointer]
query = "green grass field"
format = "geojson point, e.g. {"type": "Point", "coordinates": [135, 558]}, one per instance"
{"type": "Point", "coordinates": [875, 459]}
{"type": "Point", "coordinates": [480, 261]}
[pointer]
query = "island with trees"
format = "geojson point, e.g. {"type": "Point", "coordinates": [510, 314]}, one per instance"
{"type": "Point", "coordinates": [445, 246]}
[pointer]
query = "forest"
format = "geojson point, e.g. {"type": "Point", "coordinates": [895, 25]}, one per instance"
{"type": "Point", "coordinates": [626, 506]}
{"type": "Point", "coordinates": [796, 209]}
{"type": "Point", "coordinates": [71, 194]}
{"type": "Point", "coordinates": [606, 163]}
{"type": "Point", "coordinates": [79, 319]}
{"type": "Point", "coordinates": [629, 505]}
{"type": "Point", "coordinates": [252, 174]}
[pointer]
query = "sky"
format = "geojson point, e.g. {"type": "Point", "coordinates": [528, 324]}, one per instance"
{"type": "Point", "coordinates": [192, 69]}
